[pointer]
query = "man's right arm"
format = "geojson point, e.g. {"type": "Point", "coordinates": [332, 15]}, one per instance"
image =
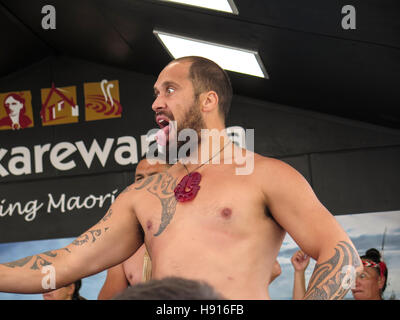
{"type": "Point", "coordinates": [296, 208]}
{"type": "Point", "coordinates": [112, 240]}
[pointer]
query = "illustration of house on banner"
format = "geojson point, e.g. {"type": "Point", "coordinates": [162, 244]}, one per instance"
{"type": "Point", "coordinates": [58, 105]}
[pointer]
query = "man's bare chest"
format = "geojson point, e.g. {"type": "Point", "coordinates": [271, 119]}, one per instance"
{"type": "Point", "coordinates": [222, 200]}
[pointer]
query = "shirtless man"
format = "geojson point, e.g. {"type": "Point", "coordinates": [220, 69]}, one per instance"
{"type": "Point", "coordinates": [138, 267]}
{"type": "Point", "coordinates": [227, 234]}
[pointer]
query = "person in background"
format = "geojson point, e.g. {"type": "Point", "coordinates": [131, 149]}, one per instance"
{"type": "Point", "coordinates": [170, 288]}
{"type": "Point", "coordinates": [70, 292]}
{"type": "Point", "coordinates": [371, 283]}
{"type": "Point", "coordinates": [276, 271]}
{"type": "Point", "coordinates": [300, 263]}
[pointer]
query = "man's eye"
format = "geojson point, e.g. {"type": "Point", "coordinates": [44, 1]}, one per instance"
{"type": "Point", "coordinates": [170, 90]}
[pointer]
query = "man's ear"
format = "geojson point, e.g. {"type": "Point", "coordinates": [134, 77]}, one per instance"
{"type": "Point", "coordinates": [209, 101]}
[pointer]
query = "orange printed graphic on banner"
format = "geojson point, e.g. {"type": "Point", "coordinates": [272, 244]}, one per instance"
{"type": "Point", "coordinates": [102, 100]}
{"type": "Point", "coordinates": [59, 106]}
{"type": "Point", "coordinates": [16, 110]}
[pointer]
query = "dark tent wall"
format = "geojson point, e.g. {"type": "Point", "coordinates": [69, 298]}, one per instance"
{"type": "Point", "coordinates": [352, 166]}
{"type": "Point", "coordinates": [313, 63]}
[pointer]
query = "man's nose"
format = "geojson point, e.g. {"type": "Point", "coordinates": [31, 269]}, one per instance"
{"type": "Point", "coordinates": [158, 104]}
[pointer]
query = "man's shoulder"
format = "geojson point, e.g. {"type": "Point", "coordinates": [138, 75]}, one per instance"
{"type": "Point", "coordinates": [265, 162]}
{"type": "Point", "coordinates": [273, 168]}
{"type": "Point", "coordinates": [129, 189]}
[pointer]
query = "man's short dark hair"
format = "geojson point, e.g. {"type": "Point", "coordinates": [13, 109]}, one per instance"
{"type": "Point", "coordinates": [170, 288]}
{"type": "Point", "coordinates": [206, 75]}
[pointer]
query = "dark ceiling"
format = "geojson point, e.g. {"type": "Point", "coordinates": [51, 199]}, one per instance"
{"type": "Point", "coordinates": [312, 62]}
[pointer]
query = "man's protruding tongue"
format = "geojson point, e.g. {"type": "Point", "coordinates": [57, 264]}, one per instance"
{"type": "Point", "coordinates": [162, 136]}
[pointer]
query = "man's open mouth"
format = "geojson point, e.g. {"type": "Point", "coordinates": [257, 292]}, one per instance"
{"type": "Point", "coordinates": [162, 121]}
{"type": "Point", "coordinates": [162, 134]}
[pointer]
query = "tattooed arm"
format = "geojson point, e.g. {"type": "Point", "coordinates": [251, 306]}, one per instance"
{"type": "Point", "coordinates": [296, 208]}
{"type": "Point", "coordinates": [113, 239]}
{"type": "Point", "coordinates": [333, 278]}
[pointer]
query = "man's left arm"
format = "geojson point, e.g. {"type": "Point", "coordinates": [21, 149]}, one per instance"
{"type": "Point", "coordinates": [296, 208]}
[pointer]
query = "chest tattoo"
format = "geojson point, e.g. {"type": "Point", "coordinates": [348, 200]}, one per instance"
{"type": "Point", "coordinates": [162, 186]}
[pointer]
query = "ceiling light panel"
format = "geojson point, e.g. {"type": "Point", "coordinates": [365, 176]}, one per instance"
{"type": "Point", "coordinates": [229, 58]}
{"type": "Point", "coordinates": [218, 5]}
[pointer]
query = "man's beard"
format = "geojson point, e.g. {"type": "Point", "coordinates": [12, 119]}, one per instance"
{"type": "Point", "coordinates": [193, 120]}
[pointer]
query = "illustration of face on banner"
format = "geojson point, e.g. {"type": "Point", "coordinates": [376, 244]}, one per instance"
{"type": "Point", "coordinates": [59, 106]}
{"type": "Point", "coordinates": [16, 110]}
{"type": "Point", "coordinates": [102, 100]}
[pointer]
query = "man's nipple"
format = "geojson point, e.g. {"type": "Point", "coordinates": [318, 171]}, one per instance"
{"type": "Point", "coordinates": [226, 213]}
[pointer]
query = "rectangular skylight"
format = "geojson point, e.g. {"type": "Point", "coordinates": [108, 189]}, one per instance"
{"type": "Point", "coordinates": [219, 5]}
{"type": "Point", "coordinates": [228, 58]}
